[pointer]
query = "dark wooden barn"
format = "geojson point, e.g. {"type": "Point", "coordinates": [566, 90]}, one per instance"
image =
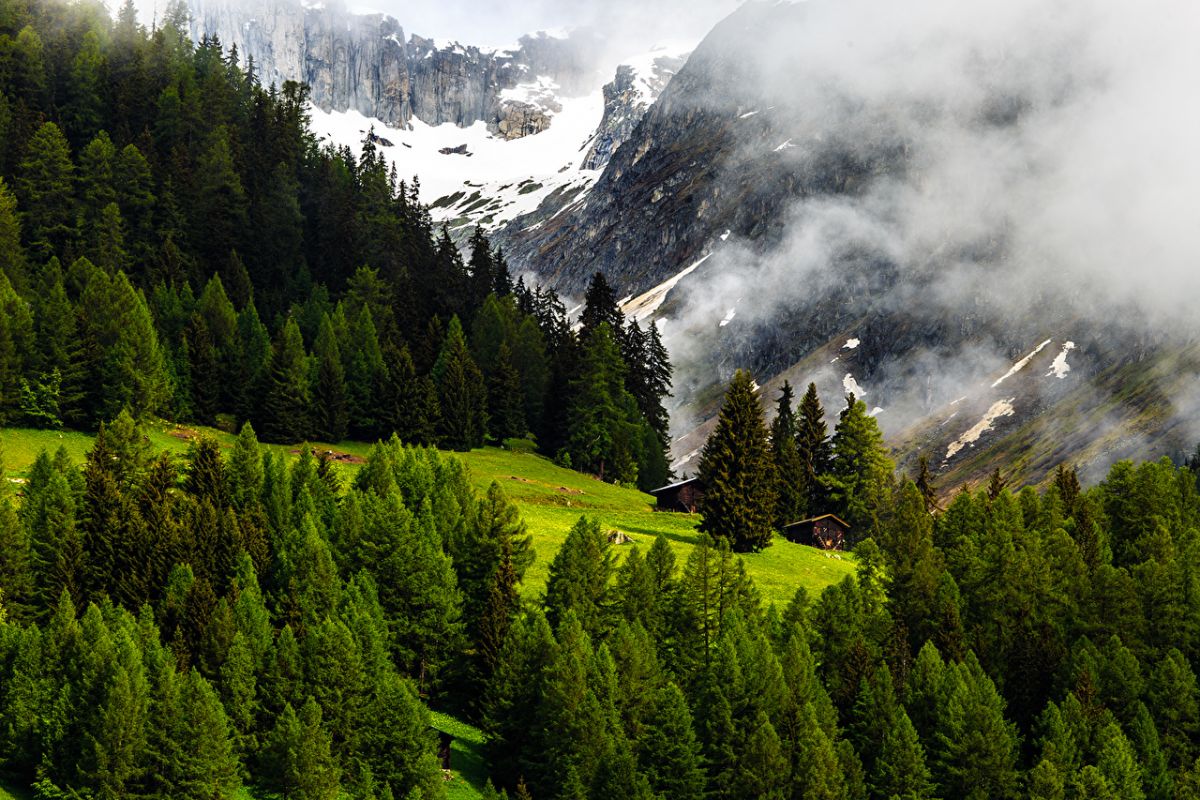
{"type": "Point", "coordinates": [827, 532]}
{"type": "Point", "coordinates": [683, 496]}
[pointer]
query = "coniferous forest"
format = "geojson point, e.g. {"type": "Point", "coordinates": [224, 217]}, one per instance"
{"type": "Point", "coordinates": [174, 243]}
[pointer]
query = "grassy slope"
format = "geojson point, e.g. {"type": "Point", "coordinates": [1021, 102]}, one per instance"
{"type": "Point", "coordinates": [551, 500]}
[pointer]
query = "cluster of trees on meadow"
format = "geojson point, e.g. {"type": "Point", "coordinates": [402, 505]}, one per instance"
{"type": "Point", "coordinates": [758, 479]}
{"type": "Point", "coordinates": [1016, 645]}
{"type": "Point", "coordinates": [174, 241]}
{"type": "Point", "coordinates": [178, 629]}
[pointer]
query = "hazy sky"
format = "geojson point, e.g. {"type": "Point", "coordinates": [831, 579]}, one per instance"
{"type": "Point", "coordinates": [499, 24]}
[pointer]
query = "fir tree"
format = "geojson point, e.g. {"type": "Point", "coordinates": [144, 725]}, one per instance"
{"type": "Point", "coordinates": [330, 417]}
{"type": "Point", "coordinates": [600, 308]}
{"type": "Point", "coordinates": [299, 763]}
{"type": "Point", "coordinates": [601, 426]}
{"type": "Point", "coordinates": [506, 405]}
{"type": "Point", "coordinates": [286, 405]}
{"type": "Point", "coordinates": [790, 501]}
{"type": "Point", "coordinates": [462, 397]}
{"type": "Point", "coordinates": [860, 476]}
{"type": "Point", "coordinates": [44, 186]}
{"type": "Point", "coordinates": [816, 452]}
{"type": "Point", "coordinates": [736, 470]}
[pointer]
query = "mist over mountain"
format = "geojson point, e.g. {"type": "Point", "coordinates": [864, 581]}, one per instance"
{"type": "Point", "coordinates": [931, 182]}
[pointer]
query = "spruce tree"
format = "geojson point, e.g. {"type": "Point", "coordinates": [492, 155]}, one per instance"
{"type": "Point", "coordinates": [330, 417]}
{"type": "Point", "coordinates": [860, 476]}
{"type": "Point", "coordinates": [44, 186]}
{"type": "Point", "coordinates": [462, 396]}
{"type": "Point", "coordinates": [816, 453]}
{"type": "Point", "coordinates": [506, 407]}
{"type": "Point", "coordinates": [669, 753]}
{"type": "Point", "coordinates": [601, 423]}
{"type": "Point", "coordinates": [737, 473]}
{"type": "Point", "coordinates": [790, 500]}
{"type": "Point", "coordinates": [297, 756]}
{"type": "Point", "coordinates": [286, 407]}
{"type": "Point", "coordinates": [600, 308]}
{"type": "Point", "coordinates": [408, 404]}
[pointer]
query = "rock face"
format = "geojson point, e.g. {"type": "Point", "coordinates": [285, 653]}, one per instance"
{"type": "Point", "coordinates": [626, 101]}
{"type": "Point", "coordinates": [696, 217]}
{"type": "Point", "coordinates": [365, 63]}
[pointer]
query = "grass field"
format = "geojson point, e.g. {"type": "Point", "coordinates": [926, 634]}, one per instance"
{"type": "Point", "coordinates": [551, 500]}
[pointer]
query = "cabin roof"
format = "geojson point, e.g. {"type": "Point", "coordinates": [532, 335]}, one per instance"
{"type": "Point", "coordinates": [840, 521]}
{"type": "Point", "coordinates": [675, 485]}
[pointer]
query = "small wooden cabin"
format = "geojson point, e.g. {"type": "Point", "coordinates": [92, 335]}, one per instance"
{"type": "Point", "coordinates": [683, 497]}
{"type": "Point", "coordinates": [827, 532]}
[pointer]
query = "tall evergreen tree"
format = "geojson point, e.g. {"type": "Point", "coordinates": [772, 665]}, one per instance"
{"type": "Point", "coordinates": [737, 473]}
{"type": "Point", "coordinates": [601, 424]}
{"type": "Point", "coordinates": [462, 397]}
{"type": "Point", "coordinates": [860, 475]}
{"type": "Point", "coordinates": [330, 417]}
{"type": "Point", "coordinates": [790, 500]}
{"type": "Point", "coordinates": [816, 451]}
{"type": "Point", "coordinates": [44, 186]}
{"type": "Point", "coordinates": [286, 406]}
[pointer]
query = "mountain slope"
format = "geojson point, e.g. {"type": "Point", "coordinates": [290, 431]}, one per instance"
{"type": "Point", "coordinates": [809, 180]}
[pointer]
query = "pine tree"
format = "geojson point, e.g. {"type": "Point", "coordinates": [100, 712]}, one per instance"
{"type": "Point", "coordinates": [44, 186]}
{"type": "Point", "coordinates": [816, 452]}
{"type": "Point", "coordinates": [601, 427]}
{"type": "Point", "coordinates": [462, 397]}
{"type": "Point", "coordinates": [506, 406]}
{"type": "Point", "coordinates": [579, 578]}
{"type": "Point", "coordinates": [668, 751]}
{"type": "Point", "coordinates": [736, 471]}
{"type": "Point", "coordinates": [330, 417]}
{"type": "Point", "coordinates": [790, 501]}
{"type": "Point", "coordinates": [408, 405]}
{"type": "Point", "coordinates": [860, 476]}
{"type": "Point", "coordinates": [287, 403]}
{"type": "Point", "coordinates": [599, 308]}
{"type": "Point", "coordinates": [298, 760]}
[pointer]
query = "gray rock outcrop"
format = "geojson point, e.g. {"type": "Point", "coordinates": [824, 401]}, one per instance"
{"type": "Point", "coordinates": [364, 62]}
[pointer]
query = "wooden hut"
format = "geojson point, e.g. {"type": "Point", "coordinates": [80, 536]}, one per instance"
{"type": "Point", "coordinates": [827, 532]}
{"type": "Point", "coordinates": [683, 496]}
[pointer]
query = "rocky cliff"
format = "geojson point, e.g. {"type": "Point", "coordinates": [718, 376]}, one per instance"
{"type": "Point", "coordinates": [365, 63]}
{"type": "Point", "coordinates": [774, 215]}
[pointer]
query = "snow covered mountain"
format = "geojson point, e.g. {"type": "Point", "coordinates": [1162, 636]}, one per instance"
{"type": "Point", "coordinates": [821, 191]}
{"type": "Point", "coordinates": [827, 192]}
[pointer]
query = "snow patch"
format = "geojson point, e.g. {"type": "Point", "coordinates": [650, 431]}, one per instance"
{"type": "Point", "coordinates": [748, 114]}
{"type": "Point", "coordinates": [725, 235]}
{"type": "Point", "coordinates": [1020, 365]}
{"type": "Point", "coordinates": [645, 304]}
{"type": "Point", "coordinates": [1060, 367]}
{"type": "Point", "coordinates": [785, 146]}
{"type": "Point", "coordinates": [1001, 408]}
{"type": "Point", "coordinates": [851, 344]}
{"type": "Point", "coordinates": [876, 411]}
{"type": "Point", "coordinates": [729, 315]}
{"type": "Point", "coordinates": [679, 462]}
{"type": "Point", "coordinates": [851, 386]}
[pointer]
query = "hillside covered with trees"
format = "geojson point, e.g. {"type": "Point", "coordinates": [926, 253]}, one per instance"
{"type": "Point", "coordinates": [174, 242]}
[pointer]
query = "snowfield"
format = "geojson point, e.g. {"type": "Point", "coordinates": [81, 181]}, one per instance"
{"type": "Point", "coordinates": [1060, 367]}
{"type": "Point", "coordinates": [506, 178]}
{"type": "Point", "coordinates": [1001, 408]}
{"type": "Point", "coordinates": [1020, 365]}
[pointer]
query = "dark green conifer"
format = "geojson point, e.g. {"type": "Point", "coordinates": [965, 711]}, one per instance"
{"type": "Point", "coordinates": [286, 407]}
{"type": "Point", "coordinates": [462, 397]}
{"type": "Point", "coordinates": [737, 473]}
